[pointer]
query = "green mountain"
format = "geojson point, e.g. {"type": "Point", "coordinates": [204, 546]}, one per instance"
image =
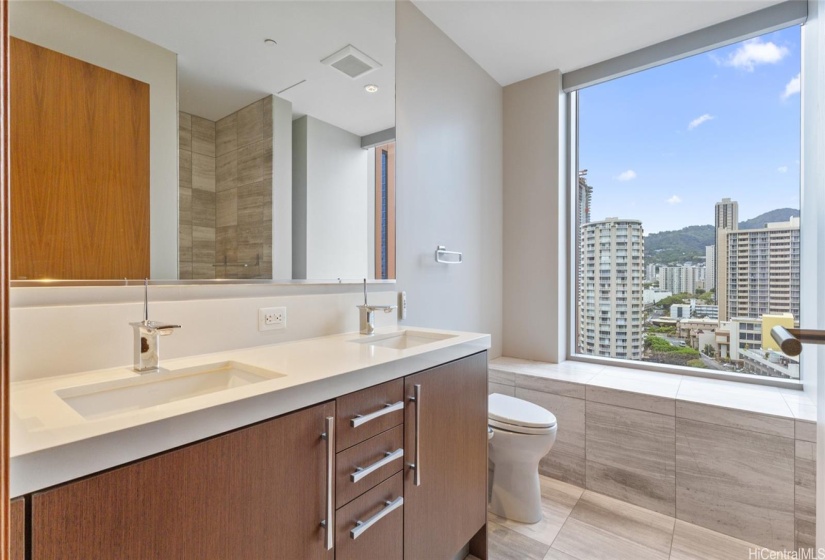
{"type": "Point", "coordinates": [688, 244]}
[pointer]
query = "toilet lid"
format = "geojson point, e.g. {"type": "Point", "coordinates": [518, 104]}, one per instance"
{"type": "Point", "coordinates": [506, 411]}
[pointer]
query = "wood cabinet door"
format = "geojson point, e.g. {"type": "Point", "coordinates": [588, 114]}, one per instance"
{"type": "Point", "coordinates": [17, 540]}
{"type": "Point", "coordinates": [256, 493]}
{"type": "Point", "coordinates": [449, 506]}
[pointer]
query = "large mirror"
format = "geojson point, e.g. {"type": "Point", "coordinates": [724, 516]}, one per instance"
{"type": "Point", "coordinates": [202, 140]}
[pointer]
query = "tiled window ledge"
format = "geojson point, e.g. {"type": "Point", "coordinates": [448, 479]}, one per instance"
{"type": "Point", "coordinates": [784, 412]}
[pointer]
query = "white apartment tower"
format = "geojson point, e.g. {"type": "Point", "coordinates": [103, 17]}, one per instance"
{"type": "Point", "coordinates": [610, 289]}
{"type": "Point", "coordinates": [727, 219]}
{"type": "Point", "coordinates": [710, 267]}
{"type": "Point", "coordinates": [763, 270]}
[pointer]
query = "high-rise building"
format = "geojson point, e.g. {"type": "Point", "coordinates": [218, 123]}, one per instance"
{"type": "Point", "coordinates": [583, 196]}
{"type": "Point", "coordinates": [727, 219]}
{"type": "Point", "coordinates": [762, 270]}
{"type": "Point", "coordinates": [651, 272]}
{"type": "Point", "coordinates": [610, 289]}
{"type": "Point", "coordinates": [681, 279]}
{"type": "Point", "coordinates": [710, 267]}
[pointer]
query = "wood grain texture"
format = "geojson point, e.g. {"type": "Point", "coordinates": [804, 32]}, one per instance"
{"type": "Point", "coordinates": [449, 507]}
{"type": "Point", "coordinates": [5, 263]}
{"type": "Point", "coordinates": [385, 539]}
{"type": "Point", "coordinates": [363, 455]}
{"type": "Point", "coordinates": [80, 173]}
{"type": "Point", "coordinates": [254, 493]}
{"type": "Point", "coordinates": [365, 402]}
{"type": "Point", "coordinates": [17, 541]}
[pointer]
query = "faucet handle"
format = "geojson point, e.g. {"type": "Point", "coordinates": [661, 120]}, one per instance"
{"type": "Point", "coordinates": [384, 308]}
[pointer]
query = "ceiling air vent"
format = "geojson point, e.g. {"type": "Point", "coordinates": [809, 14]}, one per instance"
{"type": "Point", "coordinates": [351, 62]}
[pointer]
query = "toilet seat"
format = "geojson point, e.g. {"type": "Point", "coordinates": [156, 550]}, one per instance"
{"type": "Point", "coordinates": [519, 416]}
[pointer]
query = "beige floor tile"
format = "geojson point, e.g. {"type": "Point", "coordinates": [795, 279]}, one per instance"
{"type": "Point", "coordinates": [554, 554]}
{"type": "Point", "coordinates": [557, 501]}
{"type": "Point", "coordinates": [505, 544]}
{"type": "Point", "coordinates": [603, 528]}
{"type": "Point", "coordinates": [691, 542]}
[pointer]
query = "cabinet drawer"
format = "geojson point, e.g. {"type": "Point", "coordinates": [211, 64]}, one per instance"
{"type": "Point", "coordinates": [366, 409]}
{"type": "Point", "coordinates": [385, 449]}
{"type": "Point", "coordinates": [384, 537]}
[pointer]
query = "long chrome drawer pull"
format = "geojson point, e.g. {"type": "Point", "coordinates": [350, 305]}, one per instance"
{"type": "Point", "coordinates": [366, 471]}
{"type": "Point", "coordinates": [358, 420]}
{"type": "Point", "coordinates": [327, 523]}
{"type": "Point", "coordinates": [416, 466]}
{"type": "Point", "coordinates": [362, 526]}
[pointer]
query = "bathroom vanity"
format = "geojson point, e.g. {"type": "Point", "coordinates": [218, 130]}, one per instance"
{"type": "Point", "coordinates": [362, 447]}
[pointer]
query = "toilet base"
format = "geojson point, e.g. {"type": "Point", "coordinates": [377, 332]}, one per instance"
{"type": "Point", "coordinates": [516, 492]}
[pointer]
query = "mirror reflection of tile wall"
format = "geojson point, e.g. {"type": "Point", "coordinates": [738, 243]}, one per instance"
{"type": "Point", "coordinates": [225, 194]}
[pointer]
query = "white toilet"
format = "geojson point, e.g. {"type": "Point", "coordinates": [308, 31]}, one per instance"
{"type": "Point", "coordinates": [523, 433]}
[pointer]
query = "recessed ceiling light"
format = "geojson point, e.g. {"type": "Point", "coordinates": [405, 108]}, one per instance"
{"type": "Point", "coordinates": [371, 88]}
{"type": "Point", "coordinates": [270, 42]}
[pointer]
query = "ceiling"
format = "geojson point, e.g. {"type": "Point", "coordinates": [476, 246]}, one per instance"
{"type": "Point", "coordinates": [224, 65]}
{"type": "Point", "coordinates": [515, 39]}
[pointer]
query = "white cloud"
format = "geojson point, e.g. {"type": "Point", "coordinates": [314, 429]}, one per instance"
{"type": "Point", "coordinates": [626, 175]}
{"type": "Point", "coordinates": [791, 87]}
{"type": "Point", "coordinates": [783, 169]}
{"type": "Point", "coordinates": [674, 199]}
{"type": "Point", "coordinates": [754, 52]}
{"type": "Point", "coordinates": [699, 120]}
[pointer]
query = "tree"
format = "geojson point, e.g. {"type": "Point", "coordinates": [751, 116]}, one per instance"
{"type": "Point", "coordinates": [697, 364]}
{"type": "Point", "coordinates": [699, 291]}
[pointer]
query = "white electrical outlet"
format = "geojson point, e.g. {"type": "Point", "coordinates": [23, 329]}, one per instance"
{"type": "Point", "coordinates": [271, 318]}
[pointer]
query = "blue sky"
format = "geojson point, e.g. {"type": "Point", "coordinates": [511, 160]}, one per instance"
{"type": "Point", "coordinates": [666, 144]}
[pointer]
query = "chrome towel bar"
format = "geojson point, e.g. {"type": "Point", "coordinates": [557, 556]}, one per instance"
{"type": "Point", "coordinates": [442, 255]}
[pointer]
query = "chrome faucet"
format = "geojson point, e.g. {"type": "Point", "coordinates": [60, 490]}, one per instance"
{"type": "Point", "coordinates": [368, 313]}
{"type": "Point", "coordinates": [147, 334]}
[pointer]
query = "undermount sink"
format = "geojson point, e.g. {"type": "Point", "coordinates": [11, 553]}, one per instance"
{"type": "Point", "coordinates": [403, 339]}
{"type": "Point", "coordinates": [107, 398]}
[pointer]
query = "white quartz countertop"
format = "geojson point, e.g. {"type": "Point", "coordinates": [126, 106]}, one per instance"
{"type": "Point", "coordinates": [52, 443]}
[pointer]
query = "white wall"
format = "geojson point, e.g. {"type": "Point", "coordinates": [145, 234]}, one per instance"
{"type": "Point", "coordinates": [535, 225]}
{"type": "Point", "coordinates": [62, 29]}
{"type": "Point", "coordinates": [334, 216]}
{"type": "Point", "coordinates": [449, 180]}
{"type": "Point", "coordinates": [281, 188]}
{"type": "Point", "coordinates": [812, 258]}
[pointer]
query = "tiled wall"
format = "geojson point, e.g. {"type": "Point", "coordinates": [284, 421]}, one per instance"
{"type": "Point", "coordinates": [741, 473]}
{"type": "Point", "coordinates": [196, 202]}
{"type": "Point", "coordinates": [225, 194]}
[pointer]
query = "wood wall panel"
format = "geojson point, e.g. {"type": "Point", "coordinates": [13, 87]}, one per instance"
{"type": "Point", "coordinates": [4, 279]}
{"type": "Point", "coordinates": [80, 170]}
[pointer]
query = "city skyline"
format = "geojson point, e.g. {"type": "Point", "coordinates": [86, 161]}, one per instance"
{"type": "Point", "coordinates": [661, 144]}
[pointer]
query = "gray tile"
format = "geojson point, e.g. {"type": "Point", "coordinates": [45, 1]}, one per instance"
{"type": "Point", "coordinates": [631, 456]}
{"type": "Point", "coordinates": [250, 163]}
{"type": "Point", "coordinates": [550, 385]}
{"type": "Point", "coordinates": [736, 482]}
{"type": "Point", "coordinates": [554, 554]}
{"type": "Point", "coordinates": [508, 390]}
{"type": "Point", "coordinates": [268, 162]}
{"type": "Point", "coordinates": [267, 117]}
{"type": "Point", "coordinates": [203, 246]}
{"type": "Point", "coordinates": [185, 131]}
{"type": "Point", "coordinates": [185, 243]}
{"type": "Point", "coordinates": [502, 377]}
{"type": "Point", "coordinates": [691, 542]}
{"type": "Point", "coordinates": [185, 169]}
{"type": "Point", "coordinates": [266, 270]}
{"type": "Point", "coordinates": [250, 206]}
{"type": "Point", "coordinates": [226, 245]}
{"type": "Point", "coordinates": [733, 394]}
{"type": "Point", "coordinates": [226, 171]}
{"type": "Point", "coordinates": [250, 124]}
{"type": "Point", "coordinates": [557, 501]}
{"type": "Point", "coordinates": [733, 418]}
{"type": "Point", "coordinates": [203, 136]}
{"type": "Point", "coordinates": [805, 431]}
{"type": "Point", "coordinates": [249, 253]}
{"type": "Point", "coordinates": [805, 494]}
{"type": "Point", "coordinates": [506, 544]}
{"type": "Point", "coordinates": [601, 528]}
{"type": "Point", "coordinates": [203, 172]}
{"type": "Point", "coordinates": [185, 270]}
{"type": "Point", "coordinates": [566, 460]}
{"type": "Point", "coordinates": [226, 135]}
{"type": "Point", "coordinates": [185, 206]}
{"type": "Point", "coordinates": [227, 208]}
{"type": "Point", "coordinates": [203, 208]}
{"type": "Point", "coordinates": [638, 401]}
{"type": "Point", "coordinates": [203, 271]}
